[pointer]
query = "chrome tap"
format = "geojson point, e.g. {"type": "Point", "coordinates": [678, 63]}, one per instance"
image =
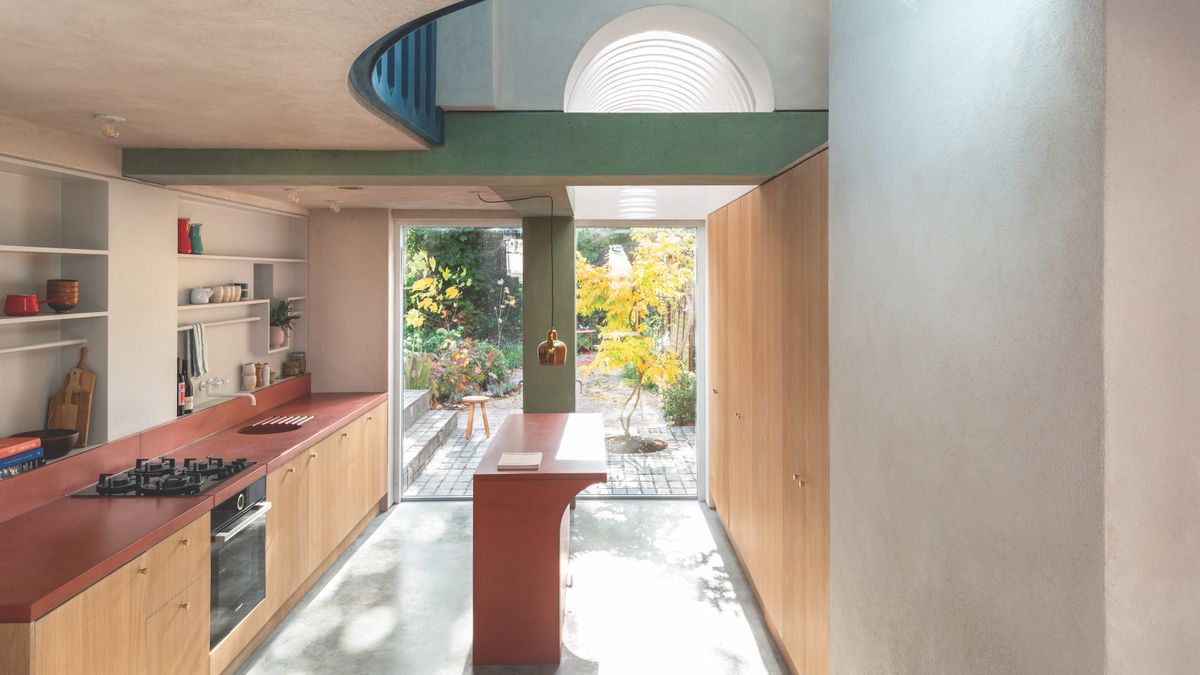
{"type": "Point", "coordinates": [207, 387]}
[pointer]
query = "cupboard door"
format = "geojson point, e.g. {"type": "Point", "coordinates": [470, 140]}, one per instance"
{"type": "Point", "coordinates": [742, 344]}
{"type": "Point", "coordinates": [177, 634]}
{"type": "Point", "coordinates": [177, 561]}
{"type": "Point", "coordinates": [772, 409]}
{"type": "Point", "coordinates": [319, 468]}
{"type": "Point", "coordinates": [288, 560]}
{"type": "Point", "coordinates": [352, 477]}
{"type": "Point", "coordinates": [101, 631]}
{"type": "Point", "coordinates": [374, 447]}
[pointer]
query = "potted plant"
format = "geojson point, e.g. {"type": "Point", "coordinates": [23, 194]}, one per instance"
{"type": "Point", "coordinates": [283, 319]}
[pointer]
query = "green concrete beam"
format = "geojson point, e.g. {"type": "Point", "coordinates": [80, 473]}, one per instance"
{"type": "Point", "coordinates": [523, 148]}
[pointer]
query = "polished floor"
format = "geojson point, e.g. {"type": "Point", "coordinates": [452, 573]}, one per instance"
{"type": "Point", "coordinates": [655, 589]}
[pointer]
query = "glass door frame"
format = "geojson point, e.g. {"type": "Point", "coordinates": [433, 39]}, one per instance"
{"type": "Point", "coordinates": [400, 227]}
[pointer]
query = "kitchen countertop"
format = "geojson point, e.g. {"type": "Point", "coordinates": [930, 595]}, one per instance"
{"type": "Point", "coordinates": [51, 553]}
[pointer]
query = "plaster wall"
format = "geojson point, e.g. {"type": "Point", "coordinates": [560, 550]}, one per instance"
{"type": "Point", "coordinates": [966, 416]}
{"type": "Point", "coordinates": [536, 41]}
{"type": "Point", "coordinates": [1151, 333]}
{"type": "Point", "coordinates": [349, 263]}
{"type": "Point", "coordinates": [26, 140]}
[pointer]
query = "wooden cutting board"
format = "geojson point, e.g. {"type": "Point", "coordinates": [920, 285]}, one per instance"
{"type": "Point", "coordinates": [71, 407]}
{"type": "Point", "coordinates": [87, 392]}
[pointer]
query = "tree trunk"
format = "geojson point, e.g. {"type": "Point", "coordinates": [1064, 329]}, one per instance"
{"type": "Point", "coordinates": [627, 417]}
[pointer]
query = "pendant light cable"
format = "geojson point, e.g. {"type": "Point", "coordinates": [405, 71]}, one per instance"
{"type": "Point", "coordinates": [502, 200]}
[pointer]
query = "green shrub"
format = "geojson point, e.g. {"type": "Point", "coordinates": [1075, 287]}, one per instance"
{"type": "Point", "coordinates": [679, 401]}
{"type": "Point", "coordinates": [514, 355]}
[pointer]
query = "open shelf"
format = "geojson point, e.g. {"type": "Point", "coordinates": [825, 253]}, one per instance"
{"type": "Point", "coordinates": [215, 305]}
{"type": "Point", "coordinates": [241, 258]}
{"type": "Point", "coordinates": [43, 345]}
{"type": "Point", "coordinates": [41, 318]}
{"type": "Point", "coordinates": [51, 250]}
{"type": "Point", "coordinates": [214, 324]}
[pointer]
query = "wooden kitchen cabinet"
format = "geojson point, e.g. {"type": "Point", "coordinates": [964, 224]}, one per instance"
{"type": "Point", "coordinates": [374, 438]}
{"type": "Point", "coordinates": [288, 559]}
{"type": "Point", "coordinates": [176, 561]}
{"type": "Point", "coordinates": [769, 411]}
{"type": "Point", "coordinates": [112, 626]}
{"type": "Point", "coordinates": [177, 634]}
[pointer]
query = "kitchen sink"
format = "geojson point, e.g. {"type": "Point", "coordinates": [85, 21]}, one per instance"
{"type": "Point", "coordinates": [259, 429]}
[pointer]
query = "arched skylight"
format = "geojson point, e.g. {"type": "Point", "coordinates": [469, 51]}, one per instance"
{"type": "Point", "coordinates": [660, 71]}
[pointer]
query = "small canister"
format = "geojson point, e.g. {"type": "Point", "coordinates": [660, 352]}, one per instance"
{"type": "Point", "coordinates": [301, 358]}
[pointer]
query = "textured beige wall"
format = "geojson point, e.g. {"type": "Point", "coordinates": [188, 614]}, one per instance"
{"type": "Point", "coordinates": [19, 138]}
{"type": "Point", "coordinates": [349, 258]}
{"type": "Point", "coordinates": [965, 327]}
{"type": "Point", "coordinates": [1152, 336]}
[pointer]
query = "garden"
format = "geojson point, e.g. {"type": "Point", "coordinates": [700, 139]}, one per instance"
{"type": "Point", "coordinates": [636, 346]}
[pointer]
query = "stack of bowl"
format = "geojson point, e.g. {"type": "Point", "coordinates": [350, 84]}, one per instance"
{"type": "Point", "coordinates": [62, 294]}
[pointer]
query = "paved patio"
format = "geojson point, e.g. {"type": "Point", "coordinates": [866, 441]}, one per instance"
{"type": "Point", "coordinates": [670, 472]}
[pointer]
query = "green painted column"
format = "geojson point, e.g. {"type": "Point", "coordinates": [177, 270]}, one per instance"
{"type": "Point", "coordinates": [549, 388]}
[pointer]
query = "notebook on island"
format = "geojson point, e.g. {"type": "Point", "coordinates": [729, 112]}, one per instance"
{"type": "Point", "coordinates": [519, 461]}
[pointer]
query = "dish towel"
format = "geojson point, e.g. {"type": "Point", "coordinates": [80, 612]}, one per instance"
{"type": "Point", "coordinates": [197, 345]}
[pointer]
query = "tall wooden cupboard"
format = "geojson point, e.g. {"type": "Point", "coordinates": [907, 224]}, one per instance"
{"type": "Point", "coordinates": [769, 399]}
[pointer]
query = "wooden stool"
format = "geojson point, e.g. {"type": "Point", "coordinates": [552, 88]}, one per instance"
{"type": "Point", "coordinates": [482, 402]}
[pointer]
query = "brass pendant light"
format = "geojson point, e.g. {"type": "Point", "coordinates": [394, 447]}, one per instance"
{"type": "Point", "coordinates": [552, 351]}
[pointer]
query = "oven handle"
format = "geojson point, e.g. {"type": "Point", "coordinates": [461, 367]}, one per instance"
{"type": "Point", "coordinates": [258, 512]}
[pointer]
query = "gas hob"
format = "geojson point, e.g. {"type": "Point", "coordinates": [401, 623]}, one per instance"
{"type": "Point", "coordinates": [164, 477]}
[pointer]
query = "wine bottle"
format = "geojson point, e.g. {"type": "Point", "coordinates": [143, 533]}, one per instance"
{"type": "Point", "coordinates": [180, 387]}
{"type": "Point", "coordinates": [189, 399]}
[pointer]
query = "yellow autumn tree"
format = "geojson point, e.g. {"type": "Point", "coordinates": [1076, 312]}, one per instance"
{"type": "Point", "coordinates": [434, 291]}
{"type": "Point", "coordinates": [630, 297]}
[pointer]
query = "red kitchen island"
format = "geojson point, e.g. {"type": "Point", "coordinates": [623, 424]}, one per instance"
{"type": "Point", "coordinates": [522, 532]}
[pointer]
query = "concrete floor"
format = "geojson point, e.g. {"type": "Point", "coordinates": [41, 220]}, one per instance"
{"type": "Point", "coordinates": [656, 590]}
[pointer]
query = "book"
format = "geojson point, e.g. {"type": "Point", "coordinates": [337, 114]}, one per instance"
{"type": "Point", "coordinates": [28, 456]}
{"type": "Point", "coordinates": [18, 444]}
{"type": "Point", "coordinates": [18, 469]}
{"type": "Point", "coordinates": [519, 461]}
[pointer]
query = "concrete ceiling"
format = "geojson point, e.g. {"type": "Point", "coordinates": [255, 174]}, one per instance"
{"type": "Point", "coordinates": [405, 198]}
{"type": "Point", "coordinates": [200, 74]}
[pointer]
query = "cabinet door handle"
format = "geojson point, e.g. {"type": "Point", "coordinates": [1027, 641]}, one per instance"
{"type": "Point", "coordinates": [345, 435]}
{"type": "Point", "coordinates": [313, 455]}
{"type": "Point", "coordinates": [143, 570]}
{"type": "Point", "coordinates": [291, 469]}
{"type": "Point", "coordinates": [738, 415]}
{"type": "Point", "coordinates": [716, 392]}
{"type": "Point", "coordinates": [371, 418]}
{"type": "Point", "coordinates": [796, 477]}
{"type": "Point", "coordinates": [185, 605]}
{"type": "Point", "coordinates": [185, 542]}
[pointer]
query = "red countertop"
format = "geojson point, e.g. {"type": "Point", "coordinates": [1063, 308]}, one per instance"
{"type": "Point", "coordinates": [572, 447]}
{"type": "Point", "coordinates": [53, 552]}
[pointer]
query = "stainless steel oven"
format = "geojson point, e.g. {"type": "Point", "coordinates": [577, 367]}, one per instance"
{"type": "Point", "coordinates": [239, 565]}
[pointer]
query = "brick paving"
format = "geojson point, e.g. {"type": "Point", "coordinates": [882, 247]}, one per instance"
{"type": "Point", "coordinates": [670, 472]}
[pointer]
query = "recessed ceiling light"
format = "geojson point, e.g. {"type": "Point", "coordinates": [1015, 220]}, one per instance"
{"type": "Point", "coordinates": [109, 124]}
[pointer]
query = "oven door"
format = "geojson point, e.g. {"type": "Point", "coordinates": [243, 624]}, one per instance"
{"type": "Point", "coordinates": [239, 570]}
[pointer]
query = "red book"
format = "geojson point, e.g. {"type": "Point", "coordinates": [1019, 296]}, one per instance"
{"type": "Point", "coordinates": [17, 445]}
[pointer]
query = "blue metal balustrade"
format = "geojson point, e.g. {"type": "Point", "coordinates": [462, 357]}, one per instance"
{"type": "Point", "coordinates": [397, 76]}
